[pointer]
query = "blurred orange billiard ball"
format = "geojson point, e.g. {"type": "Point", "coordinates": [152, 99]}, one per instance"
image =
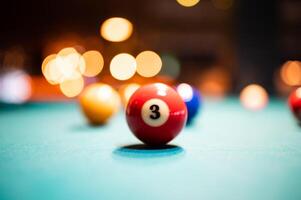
{"type": "Point", "coordinates": [99, 102]}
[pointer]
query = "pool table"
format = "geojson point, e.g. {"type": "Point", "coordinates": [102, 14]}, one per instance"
{"type": "Point", "coordinates": [48, 151]}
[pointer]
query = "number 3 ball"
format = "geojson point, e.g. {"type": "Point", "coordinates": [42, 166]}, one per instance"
{"type": "Point", "coordinates": [156, 114]}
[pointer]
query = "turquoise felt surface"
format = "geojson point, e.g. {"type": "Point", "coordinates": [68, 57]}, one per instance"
{"type": "Point", "coordinates": [48, 152]}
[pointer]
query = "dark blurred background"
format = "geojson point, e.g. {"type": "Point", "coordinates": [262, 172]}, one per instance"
{"type": "Point", "coordinates": [222, 45]}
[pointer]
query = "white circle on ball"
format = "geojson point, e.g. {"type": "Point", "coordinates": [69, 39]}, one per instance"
{"type": "Point", "coordinates": [155, 112]}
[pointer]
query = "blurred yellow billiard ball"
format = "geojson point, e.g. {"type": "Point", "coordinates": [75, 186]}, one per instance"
{"type": "Point", "coordinates": [99, 102]}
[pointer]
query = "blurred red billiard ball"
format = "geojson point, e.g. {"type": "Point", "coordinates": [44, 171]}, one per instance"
{"type": "Point", "coordinates": [156, 114]}
{"type": "Point", "coordinates": [295, 103]}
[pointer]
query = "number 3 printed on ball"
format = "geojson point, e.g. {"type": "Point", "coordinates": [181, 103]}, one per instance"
{"type": "Point", "coordinates": [155, 112]}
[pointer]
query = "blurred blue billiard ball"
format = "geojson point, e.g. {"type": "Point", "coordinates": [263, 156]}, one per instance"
{"type": "Point", "coordinates": [192, 99]}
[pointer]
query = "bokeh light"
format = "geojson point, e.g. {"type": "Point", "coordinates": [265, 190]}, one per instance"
{"type": "Point", "coordinates": [94, 63]}
{"type": "Point", "coordinates": [70, 62]}
{"type": "Point", "coordinates": [52, 72]}
{"type": "Point", "coordinates": [188, 3]}
{"type": "Point", "coordinates": [148, 64]}
{"type": "Point", "coordinates": [123, 66]}
{"type": "Point", "coordinates": [65, 68]}
{"type": "Point", "coordinates": [66, 51]}
{"type": "Point", "coordinates": [72, 87]}
{"type": "Point", "coordinates": [291, 73]}
{"type": "Point", "coordinates": [15, 87]}
{"type": "Point", "coordinates": [45, 66]}
{"type": "Point", "coordinates": [70, 66]}
{"type": "Point", "coordinates": [171, 66]}
{"type": "Point", "coordinates": [215, 82]}
{"type": "Point", "coordinates": [126, 91]}
{"type": "Point", "coordinates": [185, 91]}
{"type": "Point", "coordinates": [254, 97]}
{"type": "Point", "coordinates": [116, 29]}
{"type": "Point", "coordinates": [222, 4]}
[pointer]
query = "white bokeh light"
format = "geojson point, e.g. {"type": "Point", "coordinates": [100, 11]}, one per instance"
{"type": "Point", "coordinates": [15, 87]}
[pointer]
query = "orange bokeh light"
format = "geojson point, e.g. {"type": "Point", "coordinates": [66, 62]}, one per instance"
{"type": "Point", "coordinates": [291, 73]}
{"type": "Point", "coordinates": [116, 29]}
{"type": "Point", "coordinates": [94, 63]}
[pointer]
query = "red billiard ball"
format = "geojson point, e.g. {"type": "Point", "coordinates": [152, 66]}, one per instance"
{"type": "Point", "coordinates": [295, 103]}
{"type": "Point", "coordinates": [156, 114]}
